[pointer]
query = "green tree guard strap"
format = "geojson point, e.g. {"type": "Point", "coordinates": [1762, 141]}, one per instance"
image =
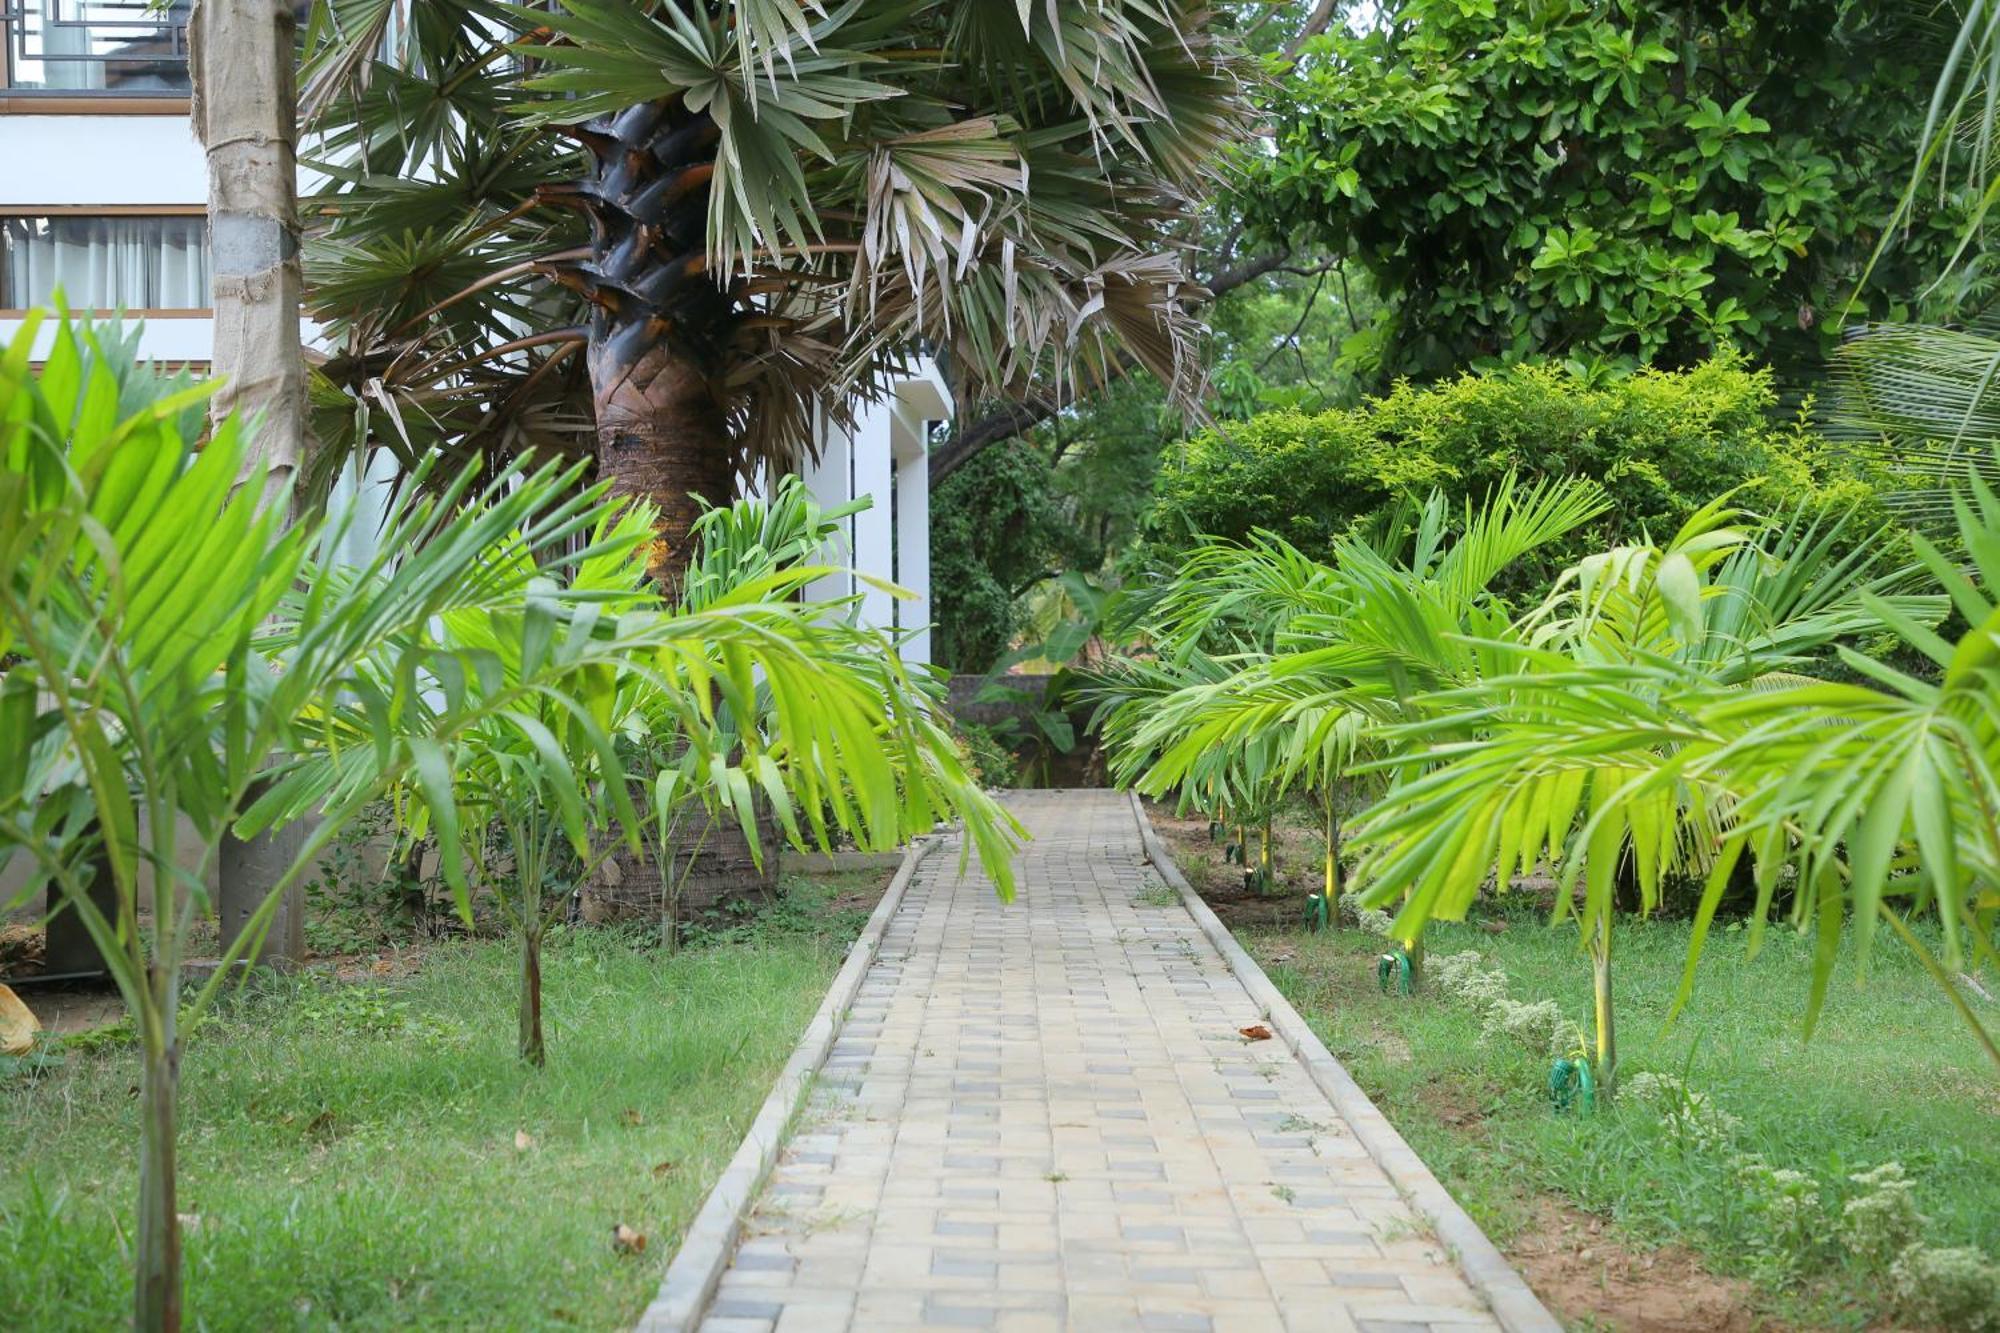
{"type": "Point", "coordinates": [1392, 973]}
{"type": "Point", "coordinates": [1572, 1087]}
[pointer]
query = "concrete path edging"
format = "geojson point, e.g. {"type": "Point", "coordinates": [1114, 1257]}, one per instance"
{"type": "Point", "coordinates": [1512, 1302]}
{"type": "Point", "coordinates": [710, 1240]}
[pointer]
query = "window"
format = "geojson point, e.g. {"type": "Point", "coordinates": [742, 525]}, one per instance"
{"type": "Point", "coordinates": [96, 47]}
{"type": "Point", "coordinates": [157, 262]}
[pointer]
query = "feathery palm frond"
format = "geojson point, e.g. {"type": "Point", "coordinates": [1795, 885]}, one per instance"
{"type": "Point", "coordinates": [1924, 403]}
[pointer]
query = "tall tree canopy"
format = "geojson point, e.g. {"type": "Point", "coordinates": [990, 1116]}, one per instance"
{"type": "Point", "coordinates": [750, 212]}
{"type": "Point", "coordinates": [1624, 181]}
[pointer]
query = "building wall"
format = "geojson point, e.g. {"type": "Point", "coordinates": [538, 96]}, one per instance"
{"type": "Point", "coordinates": [100, 160]}
{"type": "Point", "coordinates": [884, 459]}
{"type": "Point", "coordinates": [114, 163]}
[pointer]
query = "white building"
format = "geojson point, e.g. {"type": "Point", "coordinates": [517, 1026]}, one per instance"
{"type": "Point", "coordinates": [102, 195]}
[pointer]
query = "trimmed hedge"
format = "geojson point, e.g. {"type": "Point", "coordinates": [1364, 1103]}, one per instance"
{"type": "Point", "coordinates": [1663, 443]}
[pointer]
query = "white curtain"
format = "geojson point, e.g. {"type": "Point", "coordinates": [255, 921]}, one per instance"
{"type": "Point", "coordinates": [122, 263]}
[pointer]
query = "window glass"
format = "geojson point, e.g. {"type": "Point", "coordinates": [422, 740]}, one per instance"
{"type": "Point", "coordinates": [97, 46]}
{"type": "Point", "coordinates": [105, 263]}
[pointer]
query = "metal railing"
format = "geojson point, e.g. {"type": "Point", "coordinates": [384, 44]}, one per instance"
{"type": "Point", "coordinates": [95, 48]}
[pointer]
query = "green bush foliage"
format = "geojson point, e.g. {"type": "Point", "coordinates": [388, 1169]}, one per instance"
{"type": "Point", "coordinates": [1957, 1287]}
{"type": "Point", "coordinates": [993, 762]}
{"type": "Point", "coordinates": [1615, 181]}
{"type": "Point", "coordinates": [1882, 1219]}
{"type": "Point", "coordinates": [996, 531]}
{"type": "Point", "coordinates": [1663, 443]}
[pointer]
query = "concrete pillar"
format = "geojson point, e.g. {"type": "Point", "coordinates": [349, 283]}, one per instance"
{"type": "Point", "coordinates": [830, 480]}
{"type": "Point", "coordinates": [913, 551]}
{"type": "Point", "coordinates": [68, 946]}
{"type": "Point", "coordinates": [246, 871]}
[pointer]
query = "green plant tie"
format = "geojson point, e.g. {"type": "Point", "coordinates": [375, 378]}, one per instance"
{"type": "Point", "coordinates": [1572, 1087]}
{"type": "Point", "coordinates": [1393, 973]}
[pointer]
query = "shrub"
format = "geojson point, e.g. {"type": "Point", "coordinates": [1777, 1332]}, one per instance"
{"type": "Point", "coordinates": [1882, 1221]}
{"type": "Point", "coordinates": [1461, 977]}
{"type": "Point", "coordinates": [1789, 1204]}
{"type": "Point", "coordinates": [1539, 1026]}
{"type": "Point", "coordinates": [1956, 1288]}
{"type": "Point", "coordinates": [992, 761]}
{"type": "Point", "coordinates": [1375, 921]}
{"type": "Point", "coordinates": [1693, 1116]}
{"type": "Point", "coordinates": [1662, 443]}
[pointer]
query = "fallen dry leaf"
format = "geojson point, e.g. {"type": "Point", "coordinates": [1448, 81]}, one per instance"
{"type": "Point", "coordinates": [1255, 1032]}
{"type": "Point", "coordinates": [630, 1116]}
{"type": "Point", "coordinates": [523, 1140]}
{"type": "Point", "coordinates": [627, 1241]}
{"type": "Point", "coordinates": [18, 1024]}
{"type": "Point", "coordinates": [662, 1169]}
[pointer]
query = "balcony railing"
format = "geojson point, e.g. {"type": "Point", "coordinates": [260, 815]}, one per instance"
{"type": "Point", "coordinates": [95, 48]}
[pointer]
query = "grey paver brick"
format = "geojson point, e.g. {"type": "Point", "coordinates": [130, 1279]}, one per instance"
{"type": "Point", "coordinates": [739, 1307]}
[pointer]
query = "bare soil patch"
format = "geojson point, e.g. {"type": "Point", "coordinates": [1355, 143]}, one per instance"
{"type": "Point", "coordinates": [1296, 873]}
{"type": "Point", "coordinates": [1454, 1104]}
{"type": "Point", "coordinates": [1585, 1274]}
{"type": "Point", "coordinates": [66, 1008]}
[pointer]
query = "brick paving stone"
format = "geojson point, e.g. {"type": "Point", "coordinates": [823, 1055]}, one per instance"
{"type": "Point", "coordinates": [1039, 1116]}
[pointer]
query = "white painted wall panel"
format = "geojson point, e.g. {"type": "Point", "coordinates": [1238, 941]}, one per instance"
{"type": "Point", "coordinates": [163, 339]}
{"type": "Point", "coordinates": [100, 160]}
{"type": "Point", "coordinates": [830, 482]}
{"type": "Point", "coordinates": [874, 464]}
{"type": "Point", "coordinates": [913, 551]}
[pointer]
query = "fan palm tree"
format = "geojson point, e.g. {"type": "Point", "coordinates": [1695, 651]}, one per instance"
{"type": "Point", "coordinates": [745, 215]}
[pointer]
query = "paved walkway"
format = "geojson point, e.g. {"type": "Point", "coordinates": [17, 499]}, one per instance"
{"type": "Point", "coordinates": [1040, 1116]}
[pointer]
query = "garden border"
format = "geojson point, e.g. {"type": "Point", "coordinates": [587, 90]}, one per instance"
{"type": "Point", "coordinates": [1517, 1307]}
{"type": "Point", "coordinates": [710, 1241]}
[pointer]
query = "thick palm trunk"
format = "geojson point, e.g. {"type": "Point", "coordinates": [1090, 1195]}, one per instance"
{"type": "Point", "coordinates": [242, 56]}
{"type": "Point", "coordinates": [662, 436]}
{"type": "Point", "coordinates": [157, 1292]}
{"type": "Point", "coordinates": [245, 111]}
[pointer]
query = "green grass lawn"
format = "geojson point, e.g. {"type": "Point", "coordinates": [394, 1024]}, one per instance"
{"type": "Point", "coordinates": [1890, 1075]}
{"type": "Point", "coordinates": [350, 1150]}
